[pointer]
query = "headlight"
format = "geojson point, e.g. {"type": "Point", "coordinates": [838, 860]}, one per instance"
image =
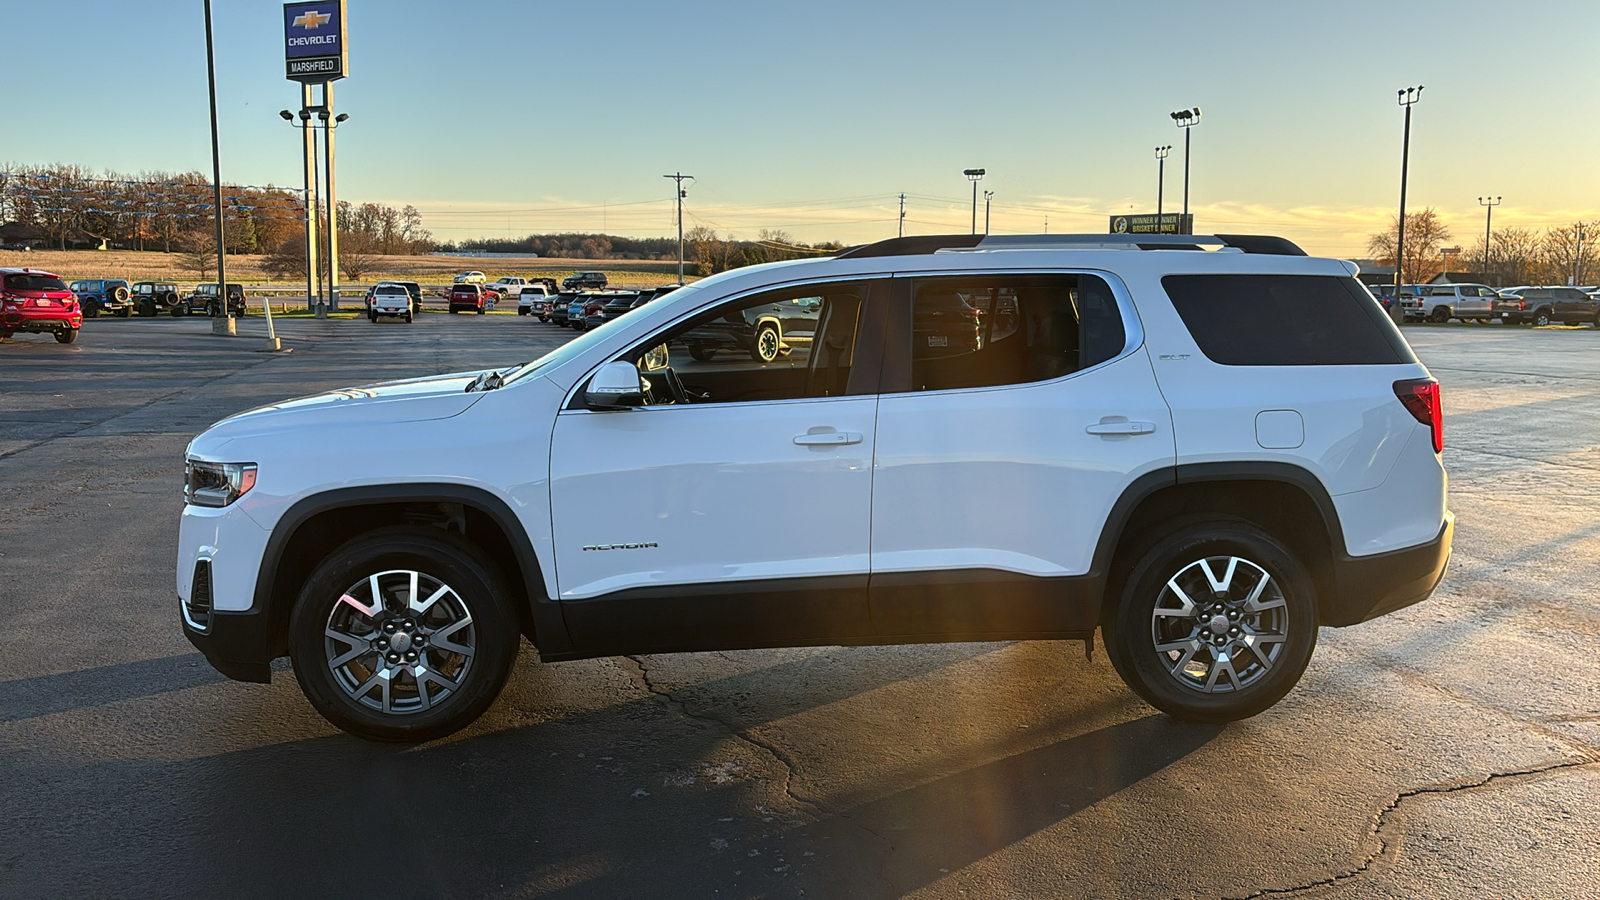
{"type": "Point", "coordinates": [216, 484]}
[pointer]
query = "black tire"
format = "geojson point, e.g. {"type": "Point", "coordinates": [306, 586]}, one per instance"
{"type": "Point", "coordinates": [408, 318]}
{"type": "Point", "coordinates": [522, 310]}
{"type": "Point", "coordinates": [91, 309]}
{"type": "Point", "coordinates": [702, 353]}
{"type": "Point", "coordinates": [124, 312]}
{"type": "Point", "coordinates": [452, 310]}
{"type": "Point", "coordinates": [372, 316]}
{"type": "Point", "coordinates": [768, 343]}
{"type": "Point", "coordinates": [67, 337]}
{"type": "Point", "coordinates": [147, 308]}
{"type": "Point", "coordinates": [1542, 318]}
{"type": "Point", "coordinates": [1440, 314]}
{"type": "Point", "coordinates": [477, 588]}
{"type": "Point", "coordinates": [1134, 632]}
{"type": "Point", "coordinates": [482, 309]}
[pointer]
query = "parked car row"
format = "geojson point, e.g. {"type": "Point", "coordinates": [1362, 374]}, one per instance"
{"type": "Point", "coordinates": [1535, 304]}
{"type": "Point", "coordinates": [583, 310]}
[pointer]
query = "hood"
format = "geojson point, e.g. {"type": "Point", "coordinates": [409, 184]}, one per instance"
{"type": "Point", "coordinates": [412, 400]}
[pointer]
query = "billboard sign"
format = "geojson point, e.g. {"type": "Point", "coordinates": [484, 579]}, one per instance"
{"type": "Point", "coordinates": [314, 41]}
{"type": "Point", "coordinates": [1165, 223]}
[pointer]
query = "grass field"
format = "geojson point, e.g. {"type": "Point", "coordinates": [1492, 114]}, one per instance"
{"type": "Point", "coordinates": [430, 270]}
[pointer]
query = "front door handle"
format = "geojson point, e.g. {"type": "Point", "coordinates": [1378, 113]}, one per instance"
{"type": "Point", "coordinates": [828, 439]}
{"type": "Point", "coordinates": [1122, 428]}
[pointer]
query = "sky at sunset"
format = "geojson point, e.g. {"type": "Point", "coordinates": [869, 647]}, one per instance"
{"type": "Point", "coordinates": [499, 118]}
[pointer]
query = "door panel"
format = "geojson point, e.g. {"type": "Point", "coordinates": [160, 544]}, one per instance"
{"type": "Point", "coordinates": [1008, 482]}
{"type": "Point", "coordinates": [675, 502]}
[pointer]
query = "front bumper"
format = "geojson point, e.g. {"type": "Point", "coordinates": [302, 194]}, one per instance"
{"type": "Point", "coordinates": [240, 645]}
{"type": "Point", "coordinates": [1366, 587]}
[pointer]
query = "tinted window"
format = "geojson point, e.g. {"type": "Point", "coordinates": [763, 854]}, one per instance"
{"type": "Point", "coordinates": [34, 283]}
{"type": "Point", "coordinates": [1569, 294]}
{"type": "Point", "coordinates": [986, 331]}
{"type": "Point", "coordinates": [1285, 320]}
{"type": "Point", "coordinates": [781, 345]}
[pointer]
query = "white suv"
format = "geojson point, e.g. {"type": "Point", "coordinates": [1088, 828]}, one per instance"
{"type": "Point", "coordinates": [1205, 446]}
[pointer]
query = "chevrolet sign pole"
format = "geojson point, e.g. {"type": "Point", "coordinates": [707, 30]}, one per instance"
{"type": "Point", "coordinates": [225, 324]}
{"type": "Point", "coordinates": [315, 52]}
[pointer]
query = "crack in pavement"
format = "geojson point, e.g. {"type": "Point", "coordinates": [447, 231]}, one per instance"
{"type": "Point", "coordinates": [642, 674]}
{"type": "Point", "coordinates": [1381, 820]}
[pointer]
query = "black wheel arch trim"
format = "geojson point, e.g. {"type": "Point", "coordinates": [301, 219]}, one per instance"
{"type": "Point", "coordinates": [545, 610]}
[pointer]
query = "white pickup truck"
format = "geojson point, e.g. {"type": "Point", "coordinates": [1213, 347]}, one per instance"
{"type": "Point", "coordinates": [508, 286]}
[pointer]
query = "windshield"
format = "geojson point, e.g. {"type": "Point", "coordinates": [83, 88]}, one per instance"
{"type": "Point", "coordinates": [573, 348]}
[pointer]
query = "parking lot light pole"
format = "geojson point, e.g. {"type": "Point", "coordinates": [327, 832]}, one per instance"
{"type": "Point", "coordinates": [313, 216]}
{"type": "Point", "coordinates": [1407, 98]}
{"type": "Point", "coordinates": [1488, 204]}
{"type": "Point", "coordinates": [330, 123]}
{"type": "Point", "coordinates": [975, 176]}
{"type": "Point", "coordinates": [987, 196]}
{"type": "Point", "coordinates": [224, 325]}
{"type": "Point", "coordinates": [677, 178]}
{"type": "Point", "coordinates": [1161, 175]}
{"type": "Point", "coordinates": [1186, 119]}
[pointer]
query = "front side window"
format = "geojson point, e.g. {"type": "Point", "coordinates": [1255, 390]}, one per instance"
{"type": "Point", "coordinates": [788, 344]}
{"type": "Point", "coordinates": [991, 330]}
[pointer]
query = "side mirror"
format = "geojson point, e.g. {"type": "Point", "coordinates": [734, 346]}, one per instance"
{"type": "Point", "coordinates": [617, 385]}
{"type": "Point", "coordinates": [656, 358]}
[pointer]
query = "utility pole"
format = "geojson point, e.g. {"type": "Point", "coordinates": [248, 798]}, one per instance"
{"type": "Point", "coordinates": [1488, 203]}
{"type": "Point", "coordinates": [902, 232]}
{"type": "Point", "coordinates": [987, 196]}
{"type": "Point", "coordinates": [1577, 256]}
{"type": "Point", "coordinates": [225, 324]}
{"type": "Point", "coordinates": [678, 178]}
{"type": "Point", "coordinates": [1407, 98]}
{"type": "Point", "coordinates": [974, 175]}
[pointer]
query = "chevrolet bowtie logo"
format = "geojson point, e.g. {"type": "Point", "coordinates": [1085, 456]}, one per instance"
{"type": "Point", "coordinates": [311, 20]}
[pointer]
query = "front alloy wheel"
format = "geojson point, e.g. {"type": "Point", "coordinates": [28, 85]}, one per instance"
{"type": "Point", "coordinates": [1216, 622]}
{"type": "Point", "coordinates": [402, 635]}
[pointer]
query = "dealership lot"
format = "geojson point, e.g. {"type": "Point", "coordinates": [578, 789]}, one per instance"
{"type": "Point", "coordinates": [1447, 750]}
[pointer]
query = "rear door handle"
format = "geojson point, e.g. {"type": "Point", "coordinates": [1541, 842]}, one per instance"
{"type": "Point", "coordinates": [1122, 428]}
{"type": "Point", "coordinates": [828, 439]}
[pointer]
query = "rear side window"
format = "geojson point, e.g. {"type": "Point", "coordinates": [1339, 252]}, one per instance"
{"type": "Point", "coordinates": [1286, 320]}
{"type": "Point", "coordinates": [987, 331]}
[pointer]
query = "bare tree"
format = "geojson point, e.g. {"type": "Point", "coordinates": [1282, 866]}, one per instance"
{"type": "Point", "coordinates": [199, 252]}
{"type": "Point", "coordinates": [356, 254]}
{"type": "Point", "coordinates": [1425, 234]}
{"type": "Point", "coordinates": [1514, 257]}
{"type": "Point", "coordinates": [1568, 253]}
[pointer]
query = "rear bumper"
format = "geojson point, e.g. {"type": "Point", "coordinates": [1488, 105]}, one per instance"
{"type": "Point", "coordinates": [1370, 586]}
{"type": "Point", "coordinates": [41, 321]}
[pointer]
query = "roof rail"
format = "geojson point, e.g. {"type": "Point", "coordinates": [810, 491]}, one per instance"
{"type": "Point", "coordinates": [922, 245]}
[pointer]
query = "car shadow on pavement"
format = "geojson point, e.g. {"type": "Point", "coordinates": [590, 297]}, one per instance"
{"type": "Point", "coordinates": [25, 698]}
{"type": "Point", "coordinates": [629, 798]}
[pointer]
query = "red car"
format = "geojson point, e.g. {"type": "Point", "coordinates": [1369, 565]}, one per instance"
{"type": "Point", "coordinates": [470, 297]}
{"type": "Point", "coordinates": [35, 301]}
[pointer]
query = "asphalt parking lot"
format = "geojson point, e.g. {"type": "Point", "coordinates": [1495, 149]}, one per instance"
{"type": "Point", "coordinates": [1448, 750]}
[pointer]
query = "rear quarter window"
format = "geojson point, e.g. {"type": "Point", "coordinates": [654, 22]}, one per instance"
{"type": "Point", "coordinates": [1286, 320]}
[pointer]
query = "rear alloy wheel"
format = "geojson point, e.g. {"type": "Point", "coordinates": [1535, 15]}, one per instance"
{"type": "Point", "coordinates": [67, 336]}
{"type": "Point", "coordinates": [767, 344]}
{"type": "Point", "coordinates": [91, 309]}
{"type": "Point", "coordinates": [1441, 315]}
{"type": "Point", "coordinates": [401, 635]}
{"type": "Point", "coordinates": [1542, 317]}
{"type": "Point", "coordinates": [1216, 623]}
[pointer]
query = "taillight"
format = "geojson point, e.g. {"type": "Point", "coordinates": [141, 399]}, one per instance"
{"type": "Point", "coordinates": [1420, 396]}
